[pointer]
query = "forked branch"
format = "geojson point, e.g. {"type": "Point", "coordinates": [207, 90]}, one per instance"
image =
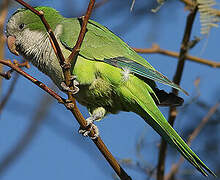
{"type": "Point", "coordinates": [65, 64]}
{"type": "Point", "coordinates": [177, 78]}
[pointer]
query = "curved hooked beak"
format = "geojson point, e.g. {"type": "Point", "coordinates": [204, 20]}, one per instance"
{"type": "Point", "coordinates": [11, 45]}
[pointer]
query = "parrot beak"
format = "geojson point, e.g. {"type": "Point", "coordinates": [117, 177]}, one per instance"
{"type": "Point", "coordinates": [11, 45]}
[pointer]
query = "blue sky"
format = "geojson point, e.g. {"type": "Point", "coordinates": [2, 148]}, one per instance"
{"type": "Point", "coordinates": [59, 152]}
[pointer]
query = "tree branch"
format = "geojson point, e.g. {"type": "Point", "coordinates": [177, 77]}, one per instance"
{"type": "Point", "coordinates": [156, 49]}
{"type": "Point", "coordinates": [177, 78]}
{"type": "Point", "coordinates": [73, 56]}
{"type": "Point", "coordinates": [8, 94]}
{"type": "Point", "coordinates": [66, 70]}
{"type": "Point", "coordinates": [100, 3]}
{"type": "Point", "coordinates": [175, 167]}
{"type": "Point", "coordinates": [192, 4]}
{"type": "Point", "coordinates": [121, 173]}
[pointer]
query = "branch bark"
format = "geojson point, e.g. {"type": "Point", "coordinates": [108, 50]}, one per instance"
{"type": "Point", "coordinates": [177, 78]}
{"type": "Point", "coordinates": [8, 94]}
{"type": "Point", "coordinates": [66, 70]}
{"type": "Point", "coordinates": [121, 173]}
{"type": "Point", "coordinates": [192, 4]}
{"type": "Point", "coordinates": [175, 167]}
{"type": "Point", "coordinates": [156, 49]}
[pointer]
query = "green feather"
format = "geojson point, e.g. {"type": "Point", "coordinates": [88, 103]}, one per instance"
{"type": "Point", "coordinates": [110, 49]}
{"type": "Point", "coordinates": [33, 22]}
{"type": "Point", "coordinates": [100, 72]}
{"type": "Point", "coordinates": [101, 45]}
{"type": "Point", "coordinates": [152, 115]}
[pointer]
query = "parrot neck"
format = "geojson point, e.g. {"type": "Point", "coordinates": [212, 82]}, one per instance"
{"type": "Point", "coordinates": [38, 50]}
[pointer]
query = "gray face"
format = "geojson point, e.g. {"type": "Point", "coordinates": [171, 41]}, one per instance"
{"type": "Point", "coordinates": [21, 40]}
{"type": "Point", "coordinates": [15, 26]}
{"type": "Point", "coordinates": [34, 45]}
{"type": "Point", "coordinates": [14, 31]}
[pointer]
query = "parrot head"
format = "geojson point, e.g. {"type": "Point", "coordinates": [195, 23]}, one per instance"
{"type": "Point", "coordinates": [25, 31]}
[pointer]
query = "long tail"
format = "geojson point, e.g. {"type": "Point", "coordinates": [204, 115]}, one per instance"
{"type": "Point", "coordinates": [170, 135]}
{"type": "Point", "coordinates": [152, 115]}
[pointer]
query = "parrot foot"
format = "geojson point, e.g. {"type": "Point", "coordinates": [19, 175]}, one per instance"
{"type": "Point", "coordinates": [74, 83]}
{"type": "Point", "coordinates": [87, 131]}
{"type": "Point", "coordinates": [97, 115]}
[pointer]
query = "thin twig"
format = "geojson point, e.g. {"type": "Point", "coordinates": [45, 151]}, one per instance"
{"type": "Point", "coordinates": [203, 123]}
{"type": "Point", "coordinates": [119, 171]}
{"type": "Point", "coordinates": [32, 79]}
{"type": "Point", "coordinates": [9, 93]}
{"type": "Point", "coordinates": [177, 78]}
{"type": "Point", "coordinates": [132, 5]}
{"type": "Point", "coordinates": [175, 167]}
{"type": "Point", "coordinates": [7, 75]}
{"type": "Point", "coordinates": [66, 69]}
{"type": "Point", "coordinates": [53, 39]}
{"type": "Point", "coordinates": [156, 49]}
{"type": "Point", "coordinates": [192, 4]}
{"type": "Point", "coordinates": [100, 3]}
{"type": "Point", "coordinates": [73, 56]}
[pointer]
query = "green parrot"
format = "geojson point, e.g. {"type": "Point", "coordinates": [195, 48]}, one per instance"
{"type": "Point", "coordinates": [109, 76]}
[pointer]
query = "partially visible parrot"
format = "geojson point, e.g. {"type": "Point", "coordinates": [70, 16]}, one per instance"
{"type": "Point", "coordinates": [111, 76]}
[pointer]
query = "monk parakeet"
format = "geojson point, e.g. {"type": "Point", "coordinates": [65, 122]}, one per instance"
{"type": "Point", "coordinates": [111, 76]}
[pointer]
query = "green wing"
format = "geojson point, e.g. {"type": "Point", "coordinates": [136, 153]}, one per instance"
{"type": "Point", "coordinates": [100, 44]}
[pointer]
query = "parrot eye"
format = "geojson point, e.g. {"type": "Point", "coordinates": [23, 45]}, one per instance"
{"type": "Point", "coordinates": [21, 26]}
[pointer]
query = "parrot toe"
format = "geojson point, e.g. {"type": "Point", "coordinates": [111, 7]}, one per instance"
{"type": "Point", "coordinates": [86, 132]}
{"type": "Point", "coordinates": [75, 89]}
{"type": "Point", "coordinates": [90, 126]}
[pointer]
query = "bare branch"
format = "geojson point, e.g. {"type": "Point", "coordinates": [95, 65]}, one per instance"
{"type": "Point", "coordinates": [100, 3]}
{"type": "Point", "coordinates": [8, 94]}
{"type": "Point", "coordinates": [99, 143]}
{"type": "Point", "coordinates": [192, 4]}
{"type": "Point", "coordinates": [53, 39]}
{"type": "Point", "coordinates": [156, 49]}
{"type": "Point", "coordinates": [73, 56]}
{"type": "Point", "coordinates": [32, 79]}
{"type": "Point", "coordinates": [177, 78]}
{"type": "Point", "coordinates": [175, 167]}
{"type": "Point", "coordinates": [7, 75]}
{"type": "Point", "coordinates": [66, 70]}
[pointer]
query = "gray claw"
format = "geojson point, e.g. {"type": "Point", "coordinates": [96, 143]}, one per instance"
{"type": "Point", "coordinates": [96, 132]}
{"type": "Point", "coordinates": [74, 82]}
{"type": "Point", "coordinates": [91, 126]}
{"type": "Point", "coordinates": [84, 132]}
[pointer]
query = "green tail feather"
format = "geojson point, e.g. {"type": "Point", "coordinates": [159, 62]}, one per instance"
{"type": "Point", "coordinates": [152, 115]}
{"type": "Point", "coordinates": [170, 135]}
